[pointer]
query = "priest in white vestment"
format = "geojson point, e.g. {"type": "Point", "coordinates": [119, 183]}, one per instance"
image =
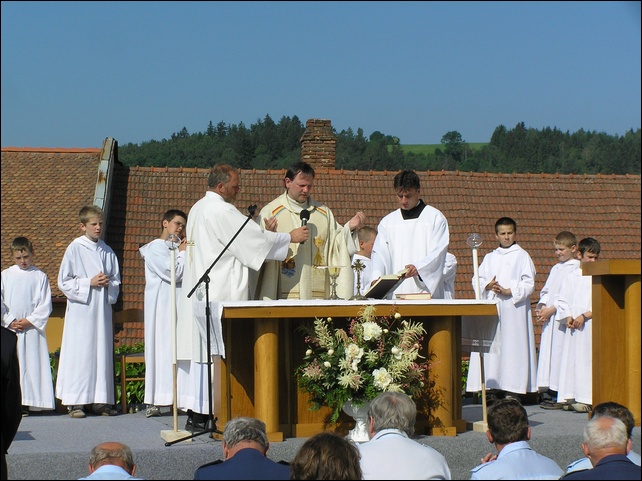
{"type": "Point", "coordinates": [416, 237]}
{"type": "Point", "coordinates": [331, 244]}
{"type": "Point", "coordinates": [26, 300]}
{"type": "Point", "coordinates": [213, 222]}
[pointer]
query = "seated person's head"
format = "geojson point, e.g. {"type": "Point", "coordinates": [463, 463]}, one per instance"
{"type": "Point", "coordinates": [327, 455]}
{"type": "Point", "coordinates": [603, 436]}
{"type": "Point", "coordinates": [112, 453]}
{"type": "Point", "coordinates": [392, 410]}
{"type": "Point", "coordinates": [507, 422]}
{"type": "Point", "coordinates": [615, 410]}
{"type": "Point", "coordinates": [244, 432]}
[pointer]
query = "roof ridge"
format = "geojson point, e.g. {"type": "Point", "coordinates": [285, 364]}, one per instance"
{"type": "Point", "coordinates": [74, 150]}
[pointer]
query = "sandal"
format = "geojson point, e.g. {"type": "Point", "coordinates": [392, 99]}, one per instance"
{"type": "Point", "coordinates": [582, 408]}
{"type": "Point", "coordinates": [77, 413]}
{"type": "Point", "coordinates": [104, 410]}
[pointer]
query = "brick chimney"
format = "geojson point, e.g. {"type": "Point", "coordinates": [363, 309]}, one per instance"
{"type": "Point", "coordinates": [319, 144]}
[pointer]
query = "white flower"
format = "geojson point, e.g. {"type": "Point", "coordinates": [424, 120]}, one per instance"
{"type": "Point", "coordinates": [355, 365]}
{"type": "Point", "coordinates": [308, 352]}
{"type": "Point", "coordinates": [385, 331]}
{"type": "Point", "coordinates": [396, 352]}
{"type": "Point", "coordinates": [381, 378]}
{"type": "Point", "coordinates": [327, 364]}
{"type": "Point", "coordinates": [397, 315]}
{"type": "Point", "coordinates": [354, 352]}
{"type": "Point", "coordinates": [330, 352]}
{"type": "Point", "coordinates": [371, 330]}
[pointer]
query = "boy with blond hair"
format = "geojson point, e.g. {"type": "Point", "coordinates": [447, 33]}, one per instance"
{"type": "Point", "coordinates": [90, 278]}
{"type": "Point", "coordinates": [26, 299]}
{"type": "Point", "coordinates": [546, 314]}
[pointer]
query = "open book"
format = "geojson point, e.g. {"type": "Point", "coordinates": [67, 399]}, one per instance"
{"type": "Point", "coordinates": [385, 284]}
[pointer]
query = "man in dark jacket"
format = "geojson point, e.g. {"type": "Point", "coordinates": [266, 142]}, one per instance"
{"type": "Point", "coordinates": [606, 444]}
{"type": "Point", "coordinates": [245, 446]}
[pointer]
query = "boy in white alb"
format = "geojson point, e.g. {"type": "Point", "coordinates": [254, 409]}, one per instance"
{"type": "Point", "coordinates": [89, 277]}
{"type": "Point", "coordinates": [26, 299]}
{"type": "Point", "coordinates": [508, 275]}
{"type": "Point", "coordinates": [575, 375]}
{"type": "Point", "coordinates": [159, 375]}
{"type": "Point", "coordinates": [546, 314]}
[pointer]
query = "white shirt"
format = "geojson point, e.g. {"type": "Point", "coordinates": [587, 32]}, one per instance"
{"type": "Point", "coordinates": [391, 454]}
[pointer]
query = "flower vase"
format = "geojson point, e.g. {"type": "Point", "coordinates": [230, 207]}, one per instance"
{"type": "Point", "coordinates": [360, 415]}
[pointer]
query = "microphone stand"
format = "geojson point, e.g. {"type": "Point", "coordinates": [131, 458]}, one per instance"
{"type": "Point", "coordinates": [210, 425]}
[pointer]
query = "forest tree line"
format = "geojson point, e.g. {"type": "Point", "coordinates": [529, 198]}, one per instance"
{"type": "Point", "coordinates": [270, 145]}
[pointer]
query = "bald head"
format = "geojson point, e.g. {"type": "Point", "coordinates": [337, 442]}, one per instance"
{"type": "Point", "coordinates": [113, 453]}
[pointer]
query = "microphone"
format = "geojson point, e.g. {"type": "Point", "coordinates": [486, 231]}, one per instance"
{"type": "Point", "coordinates": [252, 210]}
{"type": "Point", "coordinates": [305, 215]}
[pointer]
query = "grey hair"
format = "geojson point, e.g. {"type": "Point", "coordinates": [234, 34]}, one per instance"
{"type": "Point", "coordinates": [102, 453]}
{"type": "Point", "coordinates": [393, 410]}
{"type": "Point", "coordinates": [245, 429]}
{"type": "Point", "coordinates": [605, 432]}
{"type": "Point", "coordinates": [220, 174]}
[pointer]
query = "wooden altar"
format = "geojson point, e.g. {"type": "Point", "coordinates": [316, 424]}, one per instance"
{"type": "Point", "coordinates": [263, 348]}
{"type": "Point", "coordinates": [616, 332]}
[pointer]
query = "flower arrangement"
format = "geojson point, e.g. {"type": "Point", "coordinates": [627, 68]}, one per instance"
{"type": "Point", "coordinates": [375, 354]}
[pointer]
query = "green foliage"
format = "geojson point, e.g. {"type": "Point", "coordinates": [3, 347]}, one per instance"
{"type": "Point", "coordinates": [271, 145]}
{"type": "Point", "coordinates": [135, 389]}
{"type": "Point", "coordinates": [465, 363]}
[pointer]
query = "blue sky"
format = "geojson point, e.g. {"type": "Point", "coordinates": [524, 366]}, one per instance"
{"type": "Point", "coordinates": [74, 73]}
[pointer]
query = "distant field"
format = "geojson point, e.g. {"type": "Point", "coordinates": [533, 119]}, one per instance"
{"type": "Point", "coordinates": [430, 148]}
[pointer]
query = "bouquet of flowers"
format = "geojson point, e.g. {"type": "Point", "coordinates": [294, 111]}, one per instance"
{"type": "Point", "coordinates": [375, 354]}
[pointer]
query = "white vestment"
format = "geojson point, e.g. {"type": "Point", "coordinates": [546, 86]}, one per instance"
{"type": "Point", "coordinates": [576, 366]}
{"type": "Point", "coordinates": [552, 338]}
{"type": "Point", "coordinates": [448, 277]}
{"type": "Point", "coordinates": [159, 362]}
{"type": "Point", "coordinates": [211, 225]}
{"type": "Point", "coordinates": [510, 365]}
{"type": "Point", "coordinates": [26, 294]}
{"type": "Point", "coordinates": [422, 242]}
{"type": "Point", "coordinates": [364, 277]}
{"type": "Point", "coordinates": [86, 368]}
{"type": "Point", "coordinates": [329, 244]}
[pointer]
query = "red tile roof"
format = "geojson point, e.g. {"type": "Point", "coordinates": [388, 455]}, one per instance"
{"type": "Point", "coordinates": [43, 189]}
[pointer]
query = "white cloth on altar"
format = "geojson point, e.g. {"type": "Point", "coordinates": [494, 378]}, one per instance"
{"type": "Point", "coordinates": [159, 348]}
{"type": "Point", "coordinates": [26, 294]}
{"type": "Point", "coordinates": [422, 242]}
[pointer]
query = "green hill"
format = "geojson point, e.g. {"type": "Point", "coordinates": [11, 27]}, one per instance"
{"type": "Point", "coordinates": [430, 148]}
